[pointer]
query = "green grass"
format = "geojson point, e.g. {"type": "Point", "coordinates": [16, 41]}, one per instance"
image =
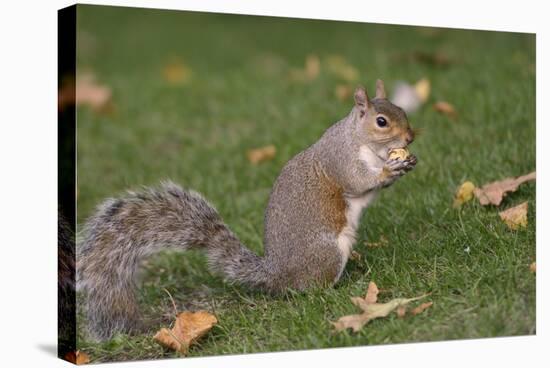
{"type": "Point", "coordinates": [240, 96]}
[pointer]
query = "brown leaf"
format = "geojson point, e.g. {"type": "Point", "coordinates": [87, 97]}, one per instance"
{"type": "Point", "coordinates": [372, 293]}
{"type": "Point", "coordinates": [90, 93]}
{"type": "Point", "coordinates": [421, 308]}
{"type": "Point", "coordinates": [343, 92]}
{"type": "Point", "coordinates": [494, 192]}
{"type": "Point", "coordinates": [464, 194]}
{"type": "Point", "coordinates": [515, 217]}
{"type": "Point", "coordinates": [438, 58]}
{"type": "Point", "coordinates": [338, 66]}
{"type": "Point", "coordinates": [533, 267]}
{"type": "Point", "coordinates": [382, 242]}
{"type": "Point", "coordinates": [355, 256]}
{"type": "Point", "coordinates": [445, 108]}
{"type": "Point", "coordinates": [177, 73]}
{"type": "Point", "coordinates": [189, 327]}
{"type": "Point", "coordinates": [257, 155]}
{"type": "Point", "coordinates": [77, 357]}
{"type": "Point", "coordinates": [371, 309]}
{"type": "Point", "coordinates": [401, 311]}
{"type": "Point", "coordinates": [312, 68]}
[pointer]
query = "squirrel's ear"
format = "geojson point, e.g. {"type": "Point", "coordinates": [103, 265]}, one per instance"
{"type": "Point", "coordinates": [380, 90]}
{"type": "Point", "coordinates": [361, 100]}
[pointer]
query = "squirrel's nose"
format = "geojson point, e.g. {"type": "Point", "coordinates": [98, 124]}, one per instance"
{"type": "Point", "coordinates": [410, 136]}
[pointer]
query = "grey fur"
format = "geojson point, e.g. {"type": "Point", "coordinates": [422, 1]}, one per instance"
{"type": "Point", "coordinates": [303, 221]}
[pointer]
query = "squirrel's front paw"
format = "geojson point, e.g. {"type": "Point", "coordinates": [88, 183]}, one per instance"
{"type": "Point", "coordinates": [395, 168]}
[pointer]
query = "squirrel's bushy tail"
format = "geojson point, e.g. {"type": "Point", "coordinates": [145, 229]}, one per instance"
{"type": "Point", "coordinates": [125, 230]}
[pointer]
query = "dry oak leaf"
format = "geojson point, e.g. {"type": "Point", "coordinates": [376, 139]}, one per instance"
{"type": "Point", "coordinates": [515, 217]}
{"type": "Point", "coordinates": [371, 310]}
{"type": "Point", "coordinates": [189, 327]}
{"type": "Point", "coordinates": [445, 108]}
{"type": "Point", "coordinates": [77, 357]}
{"type": "Point", "coordinates": [494, 192]}
{"type": "Point", "coordinates": [177, 73]}
{"type": "Point", "coordinates": [257, 155]}
{"type": "Point", "coordinates": [464, 194]}
{"type": "Point", "coordinates": [533, 267]}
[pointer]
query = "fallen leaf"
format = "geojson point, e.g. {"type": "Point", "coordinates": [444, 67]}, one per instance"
{"type": "Point", "coordinates": [188, 328]}
{"type": "Point", "coordinates": [464, 194]}
{"type": "Point", "coordinates": [313, 67]}
{"type": "Point", "coordinates": [438, 58]}
{"type": "Point", "coordinates": [533, 267]}
{"type": "Point", "coordinates": [177, 73]}
{"type": "Point", "coordinates": [355, 256]}
{"type": "Point", "coordinates": [494, 192]}
{"type": "Point", "coordinates": [382, 242]}
{"type": "Point", "coordinates": [401, 311]}
{"type": "Point", "coordinates": [77, 357]}
{"type": "Point", "coordinates": [343, 92]}
{"type": "Point", "coordinates": [257, 155]}
{"type": "Point", "coordinates": [372, 293]}
{"type": "Point", "coordinates": [423, 88]}
{"type": "Point", "coordinates": [411, 97]}
{"type": "Point", "coordinates": [445, 108]}
{"type": "Point", "coordinates": [338, 66]}
{"type": "Point", "coordinates": [311, 70]}
{"type": "Point", "coordinates": [421, 308]}
{"type": "Point", "coordinates": [89, 92]}
{"type": "Point", "coordinates": [371, 309]}
{"type": "Point", "coordinates": [515, 217]}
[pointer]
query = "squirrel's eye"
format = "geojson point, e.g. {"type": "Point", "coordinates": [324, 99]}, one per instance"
{"type": "Point", "coordinates": [381, 122]}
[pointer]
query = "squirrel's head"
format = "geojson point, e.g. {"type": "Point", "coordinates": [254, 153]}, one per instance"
{"type": "Point", "coordinates": [382, 125]}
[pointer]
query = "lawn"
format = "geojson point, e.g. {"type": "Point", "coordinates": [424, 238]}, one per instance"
{"type": "Point", "coordinates": [238, 93]}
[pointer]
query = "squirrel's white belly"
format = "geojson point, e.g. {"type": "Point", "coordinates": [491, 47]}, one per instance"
{"type": "Point", "coordinates": [346, 238]}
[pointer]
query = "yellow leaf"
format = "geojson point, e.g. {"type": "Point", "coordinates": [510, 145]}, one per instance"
{"type": "Point", "coordinates": [515, 217]}
{"type": "Point", "coordinates": [313, 67]}
{"type": "Point", "coordinates": [494, 192]}
{"type": "Point", "coordinates": [311, 70]}
{"type": "Point", "coordinates": [464, 194]}
{"type": "Point", "coordinates": [177, 73]}
{"type": "Point", "coordinates": [189, 327]}
{"type": "Point", "coordinates": [533, 267]}
{"type": "Point", "coordinates": [382, 242]}
{"type": "Point", "coordinates": [423, 88]}
{"type": "Point", "coordinates": [257, 155]}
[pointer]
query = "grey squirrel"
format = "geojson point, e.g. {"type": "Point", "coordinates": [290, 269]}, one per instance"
{"type": "Point", "coordinates": [310, 221]}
